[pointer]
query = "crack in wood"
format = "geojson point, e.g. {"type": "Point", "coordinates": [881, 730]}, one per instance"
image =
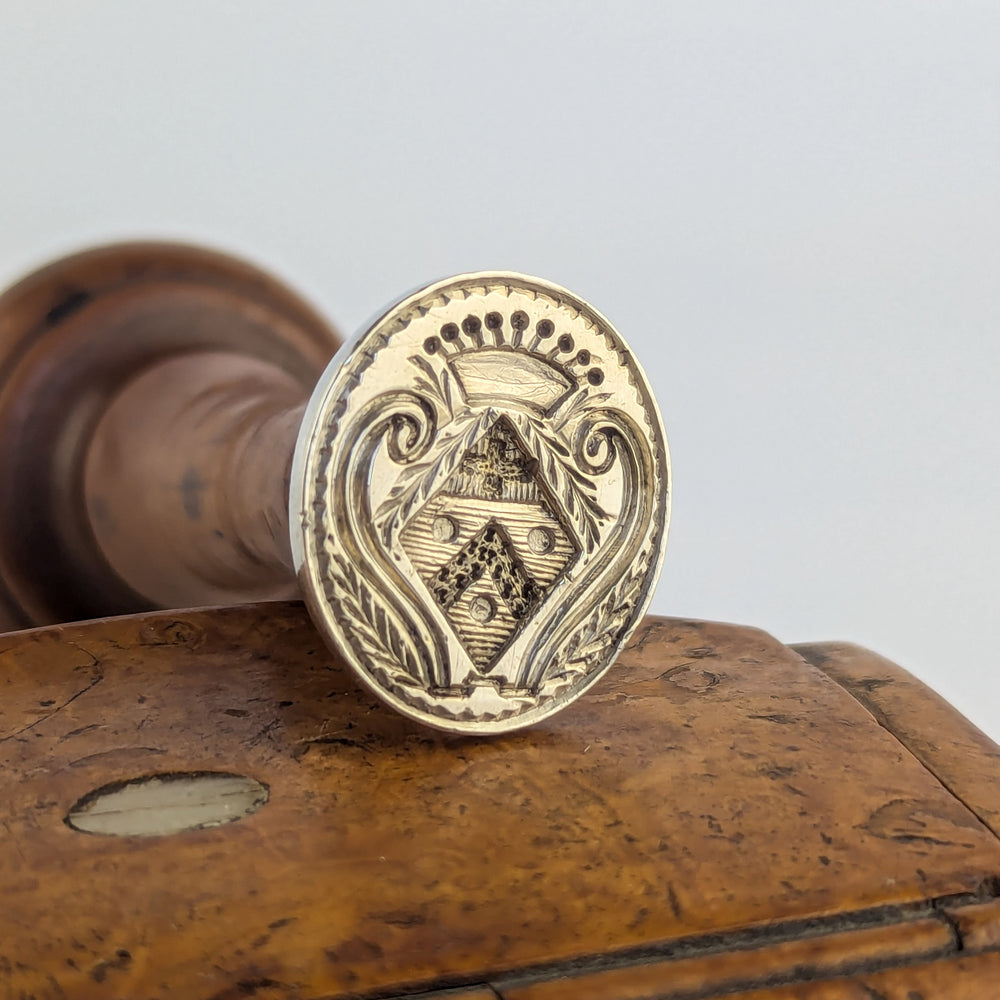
{"type": "Point", "coordinates": [55, 711]}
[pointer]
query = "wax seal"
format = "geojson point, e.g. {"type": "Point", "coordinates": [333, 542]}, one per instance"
{"type": "Point", "coordinates": [479, 501]}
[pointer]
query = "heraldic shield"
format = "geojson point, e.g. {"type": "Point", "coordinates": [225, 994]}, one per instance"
{"type": "Point", "coordinates": [484, 502]}
{"type": "Point", "coordinates": [490, 543]}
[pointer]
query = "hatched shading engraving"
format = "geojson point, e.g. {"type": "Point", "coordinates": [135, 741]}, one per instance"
{"type": "Point", "coordinates": [489, 544]}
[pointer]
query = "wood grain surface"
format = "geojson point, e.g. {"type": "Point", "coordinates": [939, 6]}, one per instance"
{"type": "Point", "coordinates": [719, 817]}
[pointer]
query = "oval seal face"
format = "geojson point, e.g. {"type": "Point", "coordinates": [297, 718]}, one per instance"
{"type": "Point", "coordinates": [482, 486]}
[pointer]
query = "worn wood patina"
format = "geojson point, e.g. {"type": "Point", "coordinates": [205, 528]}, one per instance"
{"type": "Point", "coordinates": [722, 815]}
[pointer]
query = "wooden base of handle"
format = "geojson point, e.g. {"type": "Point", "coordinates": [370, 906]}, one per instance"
{"type": "Point", "coordinates": [72, 337]}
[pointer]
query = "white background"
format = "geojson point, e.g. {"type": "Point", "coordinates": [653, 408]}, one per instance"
{"type": "Point", "coordinates": [790, 209]}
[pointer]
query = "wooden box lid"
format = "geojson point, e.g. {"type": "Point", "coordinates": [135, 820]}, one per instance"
{"type": "Point", "coordinates": [722, 816]}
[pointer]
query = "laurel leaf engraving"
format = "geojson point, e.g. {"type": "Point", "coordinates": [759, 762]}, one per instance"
{"type": "Point", "coordinates": [418, 481]}
{"type": "Point", "coordinates": [572, 405]}
{"type": "Point", "coordinates": [381, 643]}
{"type": "Point", "coordinates": [433, 385]}
{"type": "Point", "coordinates": [605, 627]}
{"type": "Point", "coordinates": [576, 491]}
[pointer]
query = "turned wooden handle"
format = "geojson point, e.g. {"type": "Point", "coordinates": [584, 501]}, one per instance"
{"type": "Point", "coordinates": [186, 480]}
{"type": "Point", "coordinates": [150, 395]}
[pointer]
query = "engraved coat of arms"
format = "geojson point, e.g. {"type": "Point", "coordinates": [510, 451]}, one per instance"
{"type": "Point", "coordinates": [487, 507]}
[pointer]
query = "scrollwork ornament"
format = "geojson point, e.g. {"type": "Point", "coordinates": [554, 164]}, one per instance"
{"type": "Point", "coordinates": [483, 501]}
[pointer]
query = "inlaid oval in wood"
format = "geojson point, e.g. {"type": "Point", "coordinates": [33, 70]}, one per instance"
{"type": "Point", "coordinates": [157, 805]}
